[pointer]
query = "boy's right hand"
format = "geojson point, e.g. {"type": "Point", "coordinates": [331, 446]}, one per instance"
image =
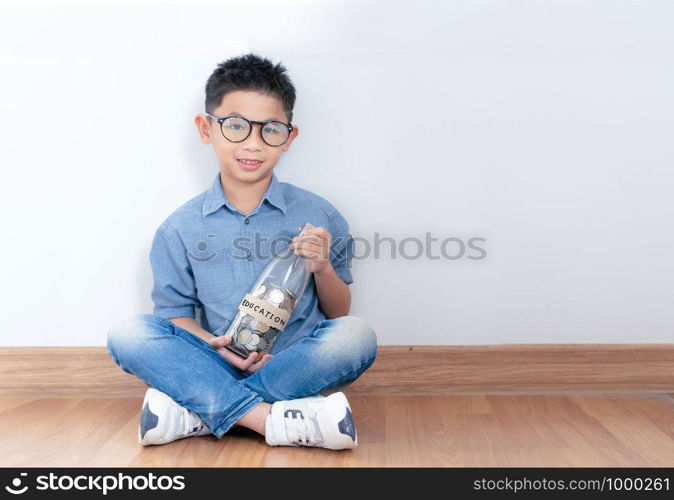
{"type": "Point", "coordinates": [252, 364]}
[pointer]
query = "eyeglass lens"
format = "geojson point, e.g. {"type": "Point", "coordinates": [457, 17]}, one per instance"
{"type": "Point", "coordinates": [236, 130]}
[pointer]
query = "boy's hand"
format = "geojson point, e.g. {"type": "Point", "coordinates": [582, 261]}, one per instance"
{"type": "Point", "coordinates": [252, 364]}
{"type": "Point", "coordinates": [314, 245]}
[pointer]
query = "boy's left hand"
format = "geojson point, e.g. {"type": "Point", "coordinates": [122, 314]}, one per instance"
{"type": "Point", "coordinates": [314, 245]}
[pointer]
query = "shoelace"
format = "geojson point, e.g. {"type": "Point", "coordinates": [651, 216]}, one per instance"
{"type": "Point", "coordinates": [191, 422]}
{"type": "Point", "coordinates": [300, 430]}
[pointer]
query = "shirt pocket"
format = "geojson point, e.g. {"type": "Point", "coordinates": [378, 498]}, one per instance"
{"type": "Point", "coordinates": [213, 275]}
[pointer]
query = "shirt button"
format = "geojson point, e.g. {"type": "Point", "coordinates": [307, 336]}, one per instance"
{"type": "Point", "coordinates": [246, 221]}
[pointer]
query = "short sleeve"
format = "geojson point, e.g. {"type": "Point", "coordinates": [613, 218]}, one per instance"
{"type": "Point", "coordinates": [341, 251]}
{"type": "Point", "coordinates": [173, 292]}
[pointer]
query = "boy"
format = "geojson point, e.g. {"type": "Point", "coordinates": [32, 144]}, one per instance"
{"type": "Point", "coordinates": [197, 385]}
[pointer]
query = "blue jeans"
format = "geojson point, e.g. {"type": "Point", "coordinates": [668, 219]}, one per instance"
{"type": "Point", "coordinates": [186, 368]}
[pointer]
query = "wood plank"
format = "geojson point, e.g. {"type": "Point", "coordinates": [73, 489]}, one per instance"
{"type": "Point", "coordinates": [573, 430]}
{"type": "Point", "coordinates": [494, 369]}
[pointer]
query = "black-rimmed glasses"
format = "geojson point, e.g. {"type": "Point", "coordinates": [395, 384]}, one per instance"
{"type": "Point", "coordinates": [238, 128]}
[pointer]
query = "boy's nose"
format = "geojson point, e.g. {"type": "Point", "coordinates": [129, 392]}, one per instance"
{"type": "Point", "coordinates": [254, 138]}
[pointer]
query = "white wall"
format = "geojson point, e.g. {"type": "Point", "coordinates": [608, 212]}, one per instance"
{"type": "Point", "coordinates": [546, 129]}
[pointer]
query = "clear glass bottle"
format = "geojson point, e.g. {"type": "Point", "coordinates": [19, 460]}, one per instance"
{"type": "Point", "coordinates": [265, 311]}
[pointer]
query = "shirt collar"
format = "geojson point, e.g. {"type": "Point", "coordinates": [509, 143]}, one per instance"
{"type": "Point", "coordinates": [215, 196]}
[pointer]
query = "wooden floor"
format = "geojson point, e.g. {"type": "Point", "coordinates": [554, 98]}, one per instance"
{"type": "Point", "coordinates": [436, 430]}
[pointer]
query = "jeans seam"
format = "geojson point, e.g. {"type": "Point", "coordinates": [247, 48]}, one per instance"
{"type": "Point", "coordinates": [362, 369]}
{"type": "Point", "coordinates": [190, 338]}
{"type": "Point", "coordinates": [239, 412]}
{"type": "Point", "coordinates": [337, 382]}
{"type": "Point", "coordinates": [198, 343]}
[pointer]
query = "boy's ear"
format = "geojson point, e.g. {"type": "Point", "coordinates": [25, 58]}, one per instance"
{"type": "Point", "coordinates": [204, 128]}
{"type": "Point", "coordinates": [291, 138]}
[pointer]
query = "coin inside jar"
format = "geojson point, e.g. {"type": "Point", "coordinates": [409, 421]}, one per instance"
{"type": "Point", "coordinates": [271, 334]}
{"type": "Point", "coordinates": [276, 297]}
{"type": "Point", "coordinates": [244, 336]}
{"type": "Point", "coordinates": [286, 304]}
{"type": "Point", "coordinates": [259, 326]}
{"type": "Point", "coordinates": [260, 290]}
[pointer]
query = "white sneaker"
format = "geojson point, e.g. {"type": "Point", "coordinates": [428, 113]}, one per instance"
{"type": "Point", "coordinates": [162, 420]}
{"type": "Point", "coordinates": [325, 422]}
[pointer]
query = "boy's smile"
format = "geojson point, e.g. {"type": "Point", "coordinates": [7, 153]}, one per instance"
{"type": "Point", "coordinates": [249, 163]}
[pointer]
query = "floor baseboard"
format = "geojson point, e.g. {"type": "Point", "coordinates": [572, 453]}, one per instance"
{"type": "Point", "coordinates": [492, 369]}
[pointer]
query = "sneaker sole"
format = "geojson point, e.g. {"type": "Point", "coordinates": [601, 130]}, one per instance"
{"type": "Point", "coordinates": [154, 435]}
{"type": "Point", "coordinates": [338, 404]}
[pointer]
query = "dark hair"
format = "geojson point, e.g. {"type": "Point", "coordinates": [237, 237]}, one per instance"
{"type": "Point", "coordinates": [250, 72]}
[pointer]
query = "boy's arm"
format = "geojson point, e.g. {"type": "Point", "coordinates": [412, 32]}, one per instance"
{"type": "Point", "coordinates": [329, 252]}
{"type": "Point", "coordinates": [174, 291]}
{"type": "Point", "coordinates": [334, 296]}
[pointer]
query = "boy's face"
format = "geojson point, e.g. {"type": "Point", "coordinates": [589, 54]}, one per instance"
{"type": "Point", "coordinates": [253, 106]}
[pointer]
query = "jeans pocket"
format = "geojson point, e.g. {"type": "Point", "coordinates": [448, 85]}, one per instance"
{"type": "Point", "coordinates": [213, 275]}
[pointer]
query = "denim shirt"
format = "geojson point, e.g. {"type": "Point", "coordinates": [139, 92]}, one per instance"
{"type": "Point", "coordinates": [208, 254]}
